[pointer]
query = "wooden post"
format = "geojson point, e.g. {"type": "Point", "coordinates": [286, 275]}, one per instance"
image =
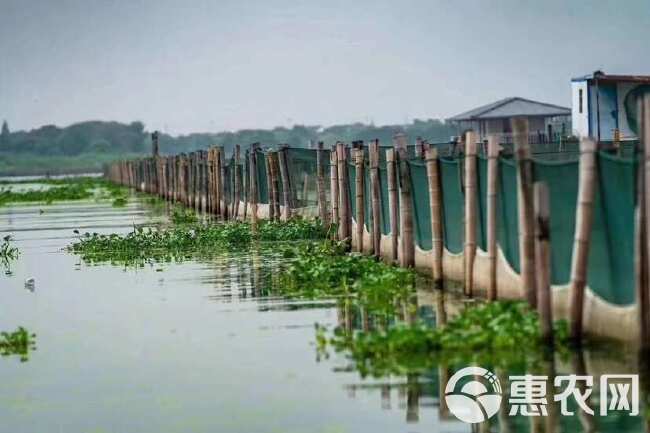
{"type": "Point", "coordinates": [435, 205]}
{"type": "Point", "coordinates": [525, 207]}
{"type": "Point", "coordinates": [419, 148]}
{"type": "Point", "coordinates": [643, 227]}
{"type": "Point", "coordinates": [253, 185]}
{"type": "Point", "coordinates": [470, 211]}
{"type": "Point", "coordinates": [305, 188]}
{"type": "Point", "coordinates": [359, 189]}
{"type": "Point", "coordinates": [407, 256]}
{"type": "Point", "coordinates": [320, 185]}
{"type": "Point", "coordinates": [543, 261]}
{"type": "Point", "coordinates": [286, 182]}
{"type": "Point", "coordinates": [270, 182]}
{"type": "Point", "coordinates": [392, 202]}
{"type": "Point", "coordinates": [584, 217]}
{"type": "Point", "coordinates": [493, 175]}
{"type": "Point", "coordinates": [237, 186]}
{"type": "Point", "coordinates": [224, 185]}
{"type": "Point", "coordinates": [218, 161]}
{"type": "Point", "coordinates": [275, 187]}
{"type": "Point", "coordinates": [246, 183]}
{"type": "Point", "coordinates": [375, 192]}
{"type": "Point", "coordinates": [334, 185]}
{"type": "Point", "coordinates": [345, 230]}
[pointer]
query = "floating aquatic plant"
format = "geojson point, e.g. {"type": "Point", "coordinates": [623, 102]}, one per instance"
{"type": "Point", "coordinates": [180, 242]}
{"type": "Point", "coordinates": [183, 215]}
{"type": "Point", "coordinates": [20, 342]}
{"type": "Point", "coordinates": [502, 333]}
{"type": "Point", "coordinates": [8, 252]}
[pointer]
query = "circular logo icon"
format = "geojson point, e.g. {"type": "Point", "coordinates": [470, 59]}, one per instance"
{"type": "Point", "coordinates": [475, 400]}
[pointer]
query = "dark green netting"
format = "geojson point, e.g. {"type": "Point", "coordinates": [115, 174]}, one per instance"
{"type": "Point", "coordinates": [507, 223]}
{"type": "Point", "coordinates": [262, 180]}
{"type": "Point", "coordinates": [352, 178]}
{"type": "Point", "coordinates": [385, 209]}
{"type": "Point", "coordinates": [562, 182]}
{"type": "Point", "coordinates": [611, 261]}
{"type": "Point", "coordinates": [452, 204]}
{"type": "Point", "coordinates": [421, 207]}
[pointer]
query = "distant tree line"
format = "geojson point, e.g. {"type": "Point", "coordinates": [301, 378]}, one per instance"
{"type": "Point", "coordinates": [113, 138]}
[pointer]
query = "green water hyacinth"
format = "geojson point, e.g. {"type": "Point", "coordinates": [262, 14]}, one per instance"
{"type": "Point", "coordinates": [504, 333]}
{"type": "Point", "coordinates": [181, 242]}
{"type": "Point", "coordinates": [20, 342]}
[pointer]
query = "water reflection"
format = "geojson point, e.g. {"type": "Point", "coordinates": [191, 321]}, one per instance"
{"type": "Point", "coordinates": [422, 385]}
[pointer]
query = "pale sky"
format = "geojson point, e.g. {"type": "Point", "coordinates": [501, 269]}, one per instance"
{"type": "Point", "coordinates": [198, 66]}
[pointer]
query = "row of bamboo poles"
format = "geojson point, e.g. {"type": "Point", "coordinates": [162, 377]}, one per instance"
{"type": "Point", "coordinates": [199, 180]}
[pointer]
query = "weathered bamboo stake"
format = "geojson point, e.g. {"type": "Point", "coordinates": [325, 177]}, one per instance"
{"type": "Point", "coordinates": [224, 185]}
{"type": "Point", "coordinates": [419, 148]}
{"type": "Point", "coordinates": [210, 187]}
{"type": "Point", "coordinates": [246, 184]}
{"type": "Point", "coordinates": [334, 185]}
{"type": "Point", "coordinates": [584, 217]}
{"type": "Point", "coordinates": [287, 192]}
{"type": "Point", "coordinates": [305, 188]}
{"type": "Point", "coordinates": [375, 192]}
{"type": "Point", "coordinates": [345, 223]}
{"type": "Point", "coordinates": [271, 191]}
{"type": "Point", "coordinates": [543, 261]}
{"type": "Point", "coordinates": [218, 197]}
{"type": "Point", "coordinates": [640, 264]}
{"type": "Point", "coordinates": [392, 202]}
{"type": "Point", "coordinates": [525, 207]}
{"type": "Point", "coordinates": [644, 298]}
{"type": "Point", "coordinates": [470, 211]}
{"type": "Point", "coordinates": [407, 256]}
{"type": "Point", "coordinates": [435, 205]}
{"type": "Point", "coordinates": [492, 176]}
{"type": "Point", "coordinates": [253, 185]}
{"type": "Point", "coordinates": [235, 209]}
{"type": "Point", "coordinates": [275, 161]}
{"type": "Point", "coordinates": [359, 189]}
{"type": "Point", "coordinates": [320, 185]}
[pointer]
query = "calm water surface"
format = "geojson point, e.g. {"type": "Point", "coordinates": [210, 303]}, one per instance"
{"type": "Point", "coordinates": [199, 346]}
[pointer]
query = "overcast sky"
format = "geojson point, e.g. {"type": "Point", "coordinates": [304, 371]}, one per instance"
{"type": "Point", "coordinates": [189, 66]}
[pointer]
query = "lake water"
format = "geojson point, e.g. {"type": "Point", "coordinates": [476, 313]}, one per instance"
{"type": "Point", "coordinates": [205, 346]}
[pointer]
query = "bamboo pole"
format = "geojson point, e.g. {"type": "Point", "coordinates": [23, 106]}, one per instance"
{"type": "Point", "coordinates": [640, 264]}
{"type": "Point", "coordinates": [435, 205]}
{"type": "Point", "coordinates": [320, 185]}
{"type": "Point", "coordinates": [584, 217]}
{"type": "Point", "coordinates": [224, 185]}
{"type": "Point", "coordinates": [470, 211]}
{"type": "Point", "coordinates": [345, 230]}
{"type": "Point", "coordinates": [492, 174]}
{"type": "Point", "coordinates": [525, 207]}
{"type": "Point", "coordinates": [407, 256]}
{"type": "Point", "coordinates": [275, 166]}
{"type": "Point", "coordinates": [305, 188]}
{"type": "Point", "coordinates": [360, 196]}
{"type": "Point", "coordinates": [218, 186]}
{"type": "Point", "coordinates": [644, 223]}
{"type": "Point", "coordinates": [286, 182]}
{"type": "Point", "coordinates": [253, 185]}
{"type": "Point", "coordinates": [237, 198]}
{"type": "Point", "coordinates": [334, 185]}
{"type": "Point", "coordinates": [543, 261]}
{"type": "Point", "coordinates": [375, 192]}
{"type": "Point", "coordinates": [246, 183]}
{"type": "Point", "coordinates": [270, 177]}
{"type": "Point", "coordinates": [392, 202]}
